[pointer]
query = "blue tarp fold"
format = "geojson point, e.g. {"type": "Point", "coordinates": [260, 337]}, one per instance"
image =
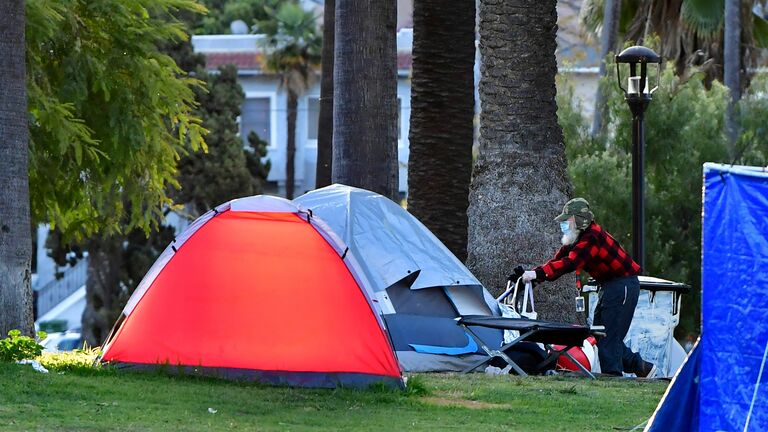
{"type": "Point", "coordinates": [679, 408]}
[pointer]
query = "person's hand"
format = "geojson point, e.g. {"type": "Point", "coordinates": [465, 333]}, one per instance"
{"type": "Point", "coordinates": [529, 275]}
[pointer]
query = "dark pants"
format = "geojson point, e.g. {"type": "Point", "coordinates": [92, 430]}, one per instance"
{"type": "Point", "coordinates": [614, 310]}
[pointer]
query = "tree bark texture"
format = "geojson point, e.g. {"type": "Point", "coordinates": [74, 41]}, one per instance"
{"type": "Point", "coordinates": [15, 239]}
{"type": "Point", "coordinates": [520, 179]}
{"type": "Point", "coordinates": [325, 117]}
{"type": "Point", "coordinates": [731, 70]}
{"type": "Point", "coordinates": [608, 43]}
{"type": "Point", "coordinates": [442, 112]}
{"type": "Point", "coordinates": [290, 148]}
{"type": "Point", "coordinates": [365, 96]}
{"type": "Point", "coordinates": [106, 294]}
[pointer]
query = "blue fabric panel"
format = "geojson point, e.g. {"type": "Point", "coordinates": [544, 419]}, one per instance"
{"type": "Point", "coordinates": [407, 331]}
{"type": "Point", "coordinates": [470, 347]}
{"type": "Point", "coordinates": [679, 408]}
{"type": "Point", "coordinates": [734, 299]}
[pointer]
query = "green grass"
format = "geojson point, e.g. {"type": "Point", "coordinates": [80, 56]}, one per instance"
{"type": "Point", "coordinates": [74, 396]}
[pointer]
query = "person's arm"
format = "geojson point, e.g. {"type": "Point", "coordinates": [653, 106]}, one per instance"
{"type": "Point", "coordinates": [574, 259]}
{"type": "Point", "coordinates": [563, 251]}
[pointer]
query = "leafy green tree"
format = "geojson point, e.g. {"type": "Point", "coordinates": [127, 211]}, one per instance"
{"type": "Point", "coordinates": [221, 13]}
{"type": "Point", "coordinates": [210, 178]}
{"type": "Point", "coordinates": [684, 129]}
{"type": "Point", "coordinates": [732, 64]}
{"type": "Point", "coordinates": [257, 165]}
{"type": "Point", "coordinates": [293, 47]}
{"type": "Point", "coordinates": [109, 113]}
{"type": "Point", "coordinates": [225, 171]}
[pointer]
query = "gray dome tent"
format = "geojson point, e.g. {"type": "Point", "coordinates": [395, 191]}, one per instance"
{"type": "Point", "coordinates": [418, 286]}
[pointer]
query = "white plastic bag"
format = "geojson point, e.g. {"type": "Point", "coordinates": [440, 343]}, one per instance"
{"type": "Point", "coordinates": [35, 365]}
{"type": "Point", "coordinates": [525, 311]}
{"type": "Point", "coordinates": [509, 308]}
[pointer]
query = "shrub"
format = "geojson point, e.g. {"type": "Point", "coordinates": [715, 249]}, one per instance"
{"type": "Point", "coordinates": [81, 361]}
{"type": "Point", "coordinates": [54, 326]}
{"type": "Point", "coordinates": [17, 347]}
{"type": "Point", "coordinates": [684, 128]}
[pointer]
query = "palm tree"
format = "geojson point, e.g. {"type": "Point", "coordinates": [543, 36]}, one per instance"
{"type": "Point", "coordinates": [15, 231]}
{"type": "Point", "coordinates": [608, 38]}
{"type": "Point", "coordinates": [732, 47]}
{"type": "Point", "coordinates": [691, 31]}
{"type": "Point", "coordinates": [442, 94]}
{"type": "Point", "coordinates": [365, 96]}
{"type": "Point", "coordinates": [325, 117]}
{"type": "Point", "coordinates": [292, 51]}
{"type": "Point", "coordinates": [520, 182]}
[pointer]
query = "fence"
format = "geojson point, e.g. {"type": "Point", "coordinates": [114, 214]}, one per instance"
{"type": "Point", "coordinates": [55, 291]}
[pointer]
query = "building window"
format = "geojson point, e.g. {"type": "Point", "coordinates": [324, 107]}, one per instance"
{"type": "Point", "coordinates": [313, 118]}
{"type": "Point", "coordinates": [256, 116]}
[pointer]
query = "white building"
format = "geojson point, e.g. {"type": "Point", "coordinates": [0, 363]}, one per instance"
{"type": "Point", "coordinates": [265, 107]}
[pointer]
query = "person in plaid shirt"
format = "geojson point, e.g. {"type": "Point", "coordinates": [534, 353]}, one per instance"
{"type": "Point", "coordinates": [587, 246]}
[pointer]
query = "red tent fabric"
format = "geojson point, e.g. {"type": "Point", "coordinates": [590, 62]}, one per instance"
{"type": "Point", "coordinates": [261, 295]}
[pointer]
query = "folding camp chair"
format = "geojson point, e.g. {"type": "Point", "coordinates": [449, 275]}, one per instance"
{"type": "Point", "coordinates": [544, 332]}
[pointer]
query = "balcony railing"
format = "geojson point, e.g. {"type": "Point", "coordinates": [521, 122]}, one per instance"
{"type": "Point", "coordinates": [55, 291]}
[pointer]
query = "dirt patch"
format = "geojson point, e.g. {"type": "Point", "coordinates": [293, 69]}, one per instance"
{"type": "Point", "coordinates": [464, 403]}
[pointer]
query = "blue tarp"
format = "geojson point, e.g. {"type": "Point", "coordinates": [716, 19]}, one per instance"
{"type": "Point", "coordinates": [679, 408]}
{"type": "Point", "coordinates": [723, 385]}
{"type": "Point", "coordinates": [734, 299]}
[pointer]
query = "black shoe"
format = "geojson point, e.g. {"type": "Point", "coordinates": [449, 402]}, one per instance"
{"type": "Point", "coordinates": [647, 370]}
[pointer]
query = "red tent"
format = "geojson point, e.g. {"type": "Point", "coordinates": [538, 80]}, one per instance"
{"type": "Point", "coordinates": [259, 290]}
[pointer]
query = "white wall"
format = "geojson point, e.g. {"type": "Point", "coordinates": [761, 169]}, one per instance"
{"type": "Point", "coordinates": [306, 150]}
{"type": "Point", "coordinates": [70, 309]}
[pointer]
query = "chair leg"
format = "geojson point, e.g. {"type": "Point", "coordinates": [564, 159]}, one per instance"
{"type": "Point", "coordinates": [557, 353]}
{"type": "Point", "coordinates": [496, 353]}
{"type": "Point", "coordinates": [579, 365]}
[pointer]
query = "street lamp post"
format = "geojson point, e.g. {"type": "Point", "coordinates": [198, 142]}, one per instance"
{"type": "Point", "coordinates": [638, 96]}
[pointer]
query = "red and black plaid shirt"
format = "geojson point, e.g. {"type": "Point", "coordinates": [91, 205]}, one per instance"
{"type": "Point", "coordinates": [596, 252]}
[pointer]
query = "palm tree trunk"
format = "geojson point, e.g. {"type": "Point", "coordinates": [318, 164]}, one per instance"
{"type": "Point", "coordinates": [107, 287]}
{"type": "Point", "coordinates": [611, 14]}
{"type": "Point", "coordinates": [731, 67]}
{"type": "Point", "coordinates": [365, 99]}
{"type": "Point", "coordinates": [290, 150]}
{"type": "Point", "coordinates": [520, 179]}
{"type": "Point", "coordinates": [15, 241]}
{"type": "Point", "coordinates": [325, 117]}
{"type": "Point", "coordinates": [442, 94]}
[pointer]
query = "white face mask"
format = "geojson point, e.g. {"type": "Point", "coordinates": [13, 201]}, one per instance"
{"type": "Point", "coordinates": [569, 234]}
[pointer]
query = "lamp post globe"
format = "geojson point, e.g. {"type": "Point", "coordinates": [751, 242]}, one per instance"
{"type": "Point", "coordinates": [638, 94]}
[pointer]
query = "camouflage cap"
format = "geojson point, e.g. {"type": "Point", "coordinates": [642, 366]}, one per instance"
{"type": "Point", "coordinates": [579, 208]}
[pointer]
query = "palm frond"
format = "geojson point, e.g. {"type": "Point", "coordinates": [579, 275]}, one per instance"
{"type": "Point", "coordinates": [760, 31]}
{"type": "Point", "coordinates": [591, 17]}
{"type": "Point", "coordinates": [703, 17]}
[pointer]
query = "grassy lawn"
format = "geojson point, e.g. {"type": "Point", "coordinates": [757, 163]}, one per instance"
{"type": "Point", "coordinates": [79, 399]}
